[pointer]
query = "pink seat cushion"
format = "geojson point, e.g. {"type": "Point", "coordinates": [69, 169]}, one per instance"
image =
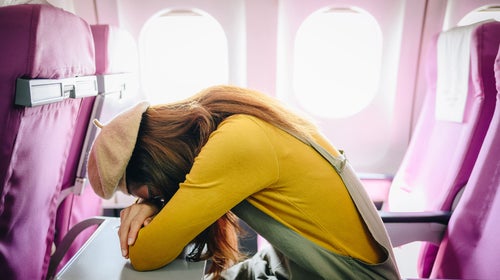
{"type": "Point", "coordinates": [38, 41]}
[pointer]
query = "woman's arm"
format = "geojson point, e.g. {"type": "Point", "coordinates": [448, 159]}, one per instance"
{"type": "Point", "coordinates": [237, 161]}
{"type": "Point", "coordinates": [132, 219]}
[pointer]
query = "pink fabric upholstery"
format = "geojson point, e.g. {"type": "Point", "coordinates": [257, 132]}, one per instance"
{"type": "Point", "coordinates": [67, 214]}
{"type": "Point", "coordinates": [38, 41]}
{"type": "Point", "coordinates": [471, 247]}
{"type": "Point", "coordinates": [114, 49]}
{"type": "Point", "coordinates": [441, 154]}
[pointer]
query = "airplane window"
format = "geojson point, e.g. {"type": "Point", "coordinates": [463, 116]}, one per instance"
{"type": "Point", "coordinates": [481, 14]}
{"type": "Point", "coordinates": [337, 60]}
{"type": "Point", "coordinates": [182, 52]}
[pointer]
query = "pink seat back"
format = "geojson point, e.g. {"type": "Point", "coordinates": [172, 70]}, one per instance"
{"type": "Point", "coordinates": [441, 154]}
{"type": "Point", "coordinates": [113, 50]}
{"type": "Point", "coordinates": [116, 50]}
{"type": "Point", "coordinates": [117, 70]}
{"type": "Point", "coordinates": [38, 41]}
{"type": "Point", "coordinates": [471, 246]}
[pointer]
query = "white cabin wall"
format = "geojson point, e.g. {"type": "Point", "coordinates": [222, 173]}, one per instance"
{"type": "Point", "coordinates": [262, 32]}
{"type": "Point", "coordinates": [86, 9]}
{"type": "Point", "coordinates": [457, 9]}
{"type": "Point", "coordinates": [407, 77]}
{"type": "Point", "coordinates": [434, 16]}
{"type": "Point", "coordinates": [65, 5]}
{"type": "Point", "coordinates": [97, 12]}
{"type": "Point", "coordinates": [107, 12]}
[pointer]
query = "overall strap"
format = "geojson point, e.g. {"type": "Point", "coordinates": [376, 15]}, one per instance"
{"type": "Point", "coordinates": [360, 197]}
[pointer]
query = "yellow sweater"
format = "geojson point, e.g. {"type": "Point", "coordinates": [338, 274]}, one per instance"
{"type": "Point", "coordinates": [247, 158]}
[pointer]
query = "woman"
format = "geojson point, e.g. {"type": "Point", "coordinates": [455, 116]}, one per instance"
{"type": "Point", "coordinates": [230, 151]}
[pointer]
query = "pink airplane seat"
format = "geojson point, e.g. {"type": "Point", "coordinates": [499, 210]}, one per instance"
{"type": "Point", "coordinates": [116, 67]}
{"type": "Point", "coordinates": [471, 246]}
{"type": "Point", "coordinates": [46, 56]}
{"type": "Point", "coordinates": [452, 125]}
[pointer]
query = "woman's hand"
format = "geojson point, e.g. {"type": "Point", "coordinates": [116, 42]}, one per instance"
{"type": "Point", "coordinates": [133, 218]}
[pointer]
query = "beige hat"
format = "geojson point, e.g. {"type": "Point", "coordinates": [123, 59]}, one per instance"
{"type": "Point", "coordinates": [112, 149]}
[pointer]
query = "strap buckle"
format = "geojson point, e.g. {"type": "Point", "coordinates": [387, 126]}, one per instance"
{"type": "Point", "coordinates": [340, 161]}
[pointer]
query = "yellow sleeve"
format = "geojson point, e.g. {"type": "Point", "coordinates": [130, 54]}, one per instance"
{"type": "Point", "coordinates": [237, 161]}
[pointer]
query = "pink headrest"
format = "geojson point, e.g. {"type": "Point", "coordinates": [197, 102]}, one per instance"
{"type": "Point", "coordinates": [482, 50]}
{"type": "Point", "coordinates": [32, 45]}
{"type": "Point", "coordinates": [116, 51]}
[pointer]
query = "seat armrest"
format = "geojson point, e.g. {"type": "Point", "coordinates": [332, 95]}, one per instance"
{"type": "Point", "coordinates": [441, 217]}
{"type": "Point", "coordinates": [406, 227]}
{"type": "Point", "coordinates": [375, 176]}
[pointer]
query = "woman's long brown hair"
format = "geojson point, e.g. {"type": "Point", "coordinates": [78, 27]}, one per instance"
{"type": "Point", "coordinates": [172, 135]}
